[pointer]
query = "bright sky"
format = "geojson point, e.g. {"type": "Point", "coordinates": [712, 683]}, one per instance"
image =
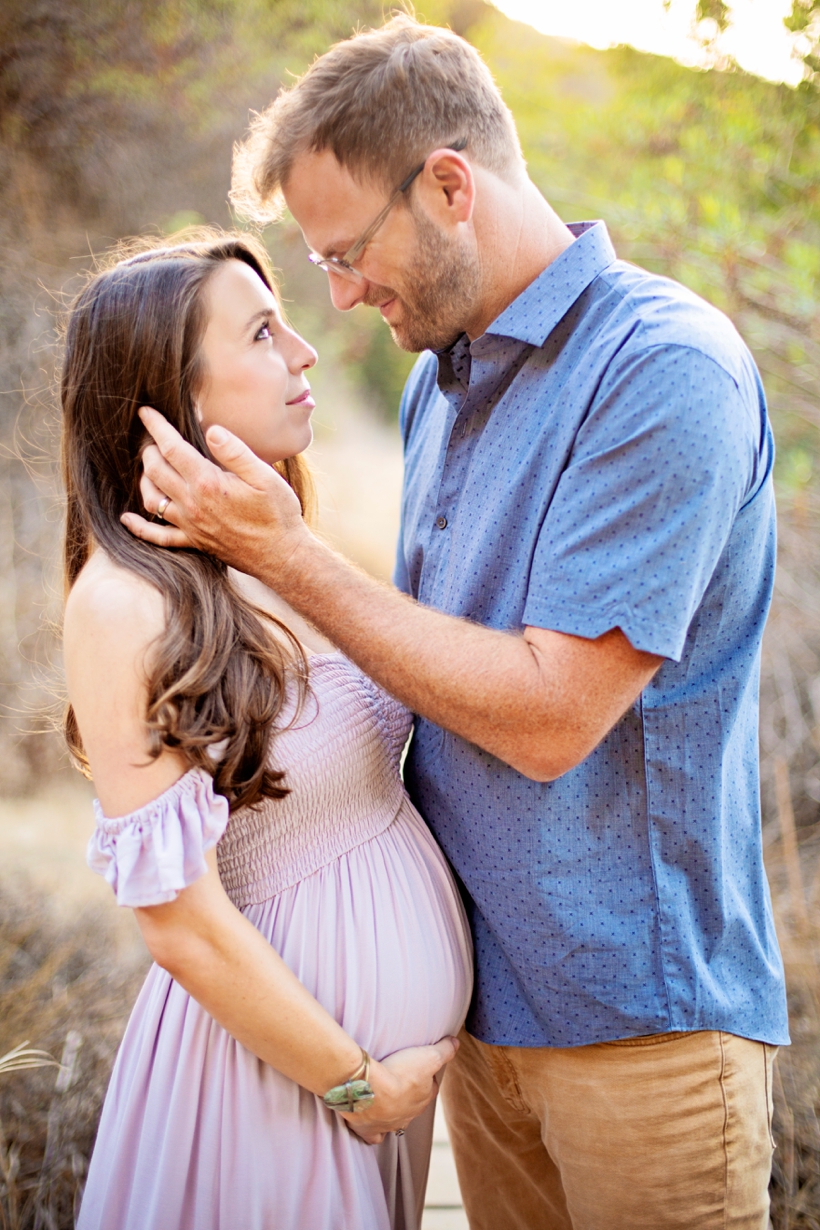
{"type": "Point", "coordinates": [757, 38]}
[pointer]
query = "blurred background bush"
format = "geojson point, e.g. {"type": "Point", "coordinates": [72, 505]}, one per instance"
{"type": "Point", "coordinates": [118, 116]}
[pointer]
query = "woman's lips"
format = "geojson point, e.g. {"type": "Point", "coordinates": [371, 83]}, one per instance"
{"type": "Point", "coordinates": [304, 399]}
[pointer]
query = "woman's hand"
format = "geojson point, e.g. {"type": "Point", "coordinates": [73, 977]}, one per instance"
{"type": "Point", "coordinates": [405, 1084]}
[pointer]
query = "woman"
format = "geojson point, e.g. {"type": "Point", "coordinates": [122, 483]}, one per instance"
{"type": "Point", "coordinates": [250, 806]}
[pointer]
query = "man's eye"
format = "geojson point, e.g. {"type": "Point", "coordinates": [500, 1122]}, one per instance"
{"type": "Point", "coordinates": [264, 332]}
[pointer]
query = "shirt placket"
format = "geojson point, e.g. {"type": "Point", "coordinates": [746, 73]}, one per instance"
{"type": "Point", "coordinates": [471, 409]}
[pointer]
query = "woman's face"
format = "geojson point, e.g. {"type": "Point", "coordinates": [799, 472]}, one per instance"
{"type": "Point", "coordinates": [254, 366]}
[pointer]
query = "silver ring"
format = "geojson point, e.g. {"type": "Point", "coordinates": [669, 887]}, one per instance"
{"type": "Point", "coordinates": [163, 504]}
{"type": "Point", "coordinates": [400, 1132]}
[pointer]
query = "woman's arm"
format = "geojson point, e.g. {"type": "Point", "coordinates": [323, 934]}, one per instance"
{"type": "Point", "coordinates": [224, 963]}
{"type": "Point", "coordinates": [205, 943]}
{"type": "Point", "coordinates": [211, 950]}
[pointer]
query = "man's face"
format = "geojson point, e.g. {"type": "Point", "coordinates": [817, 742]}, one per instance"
{"type": "Point", "coordinates": [424, 280]}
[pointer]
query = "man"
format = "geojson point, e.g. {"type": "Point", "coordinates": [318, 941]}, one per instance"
{"type": "Point", "coordinates": [588, 545]}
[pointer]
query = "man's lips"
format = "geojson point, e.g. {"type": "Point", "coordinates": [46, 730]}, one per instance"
{"type": "Point", "coordinates": [385, 307]}
{"type": "Point", "coordinates": [304, 399]}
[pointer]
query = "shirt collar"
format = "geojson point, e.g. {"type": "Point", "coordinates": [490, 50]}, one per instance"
{"type": "Point", "coordinates": [534, 314]}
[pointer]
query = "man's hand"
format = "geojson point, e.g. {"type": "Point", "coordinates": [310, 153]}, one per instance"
{"type": "Point", "coordinates": [404, 1084]}
{"type": "Point", "coordinates": [241, 513]}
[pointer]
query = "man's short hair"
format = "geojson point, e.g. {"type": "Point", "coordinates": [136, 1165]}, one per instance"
{"type": "Point", "coordinates": [381, 101]}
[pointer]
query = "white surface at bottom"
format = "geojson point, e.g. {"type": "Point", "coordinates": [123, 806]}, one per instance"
{"type": "Point", "coordinates": [444, 1219]}
{"type": "Point", "coordinates": [442, 1205]}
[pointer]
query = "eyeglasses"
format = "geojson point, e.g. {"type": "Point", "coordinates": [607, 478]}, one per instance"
{"type": "Point", "coordinates": [343, 265]}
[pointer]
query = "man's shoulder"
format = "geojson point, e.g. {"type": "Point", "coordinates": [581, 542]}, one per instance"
{"type": "Point", "coordinates": [675, 374]}
{"type": "Point", "coordinates": [649, 311]}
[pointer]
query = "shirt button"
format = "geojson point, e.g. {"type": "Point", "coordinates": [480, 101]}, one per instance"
{"type": "Point", "coordinates": [441, 522]}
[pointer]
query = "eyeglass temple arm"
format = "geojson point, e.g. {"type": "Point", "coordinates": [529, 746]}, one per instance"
{"type": "Point", "coordinates": [456, 147]}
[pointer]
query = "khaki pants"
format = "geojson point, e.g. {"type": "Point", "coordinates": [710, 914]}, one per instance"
{"type": "Point", "coordinates": [670, 1130]}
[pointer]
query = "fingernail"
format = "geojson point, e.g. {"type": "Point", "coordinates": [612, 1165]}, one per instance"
{"type": "Point", "coordinates": [217, 435]}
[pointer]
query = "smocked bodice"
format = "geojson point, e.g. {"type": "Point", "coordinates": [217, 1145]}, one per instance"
{"type": "Point", "coordinates": [341, 756]}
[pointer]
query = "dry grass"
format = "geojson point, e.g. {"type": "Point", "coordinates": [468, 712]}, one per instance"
{"type": "Point", "coordinates": [68, 987]}
{"type": "Point", "coordinates": [790, 745]}
{"type": "Point", "coordinates": [795, 1184]}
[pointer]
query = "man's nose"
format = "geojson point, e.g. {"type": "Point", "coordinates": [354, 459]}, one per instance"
{"type": "Point", "coordinates": [345, 294]}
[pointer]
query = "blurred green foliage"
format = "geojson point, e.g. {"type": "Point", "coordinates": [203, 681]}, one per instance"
{"type": "Point", "coordinates": [711, 177]}
{"type": "Point", "coordinates": [119, 102]}
{"type": "Point", "coordinates": [122, 112]}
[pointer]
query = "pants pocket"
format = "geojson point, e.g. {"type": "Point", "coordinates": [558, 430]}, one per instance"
{"type": "Point", "coordinates": [769, 1056]}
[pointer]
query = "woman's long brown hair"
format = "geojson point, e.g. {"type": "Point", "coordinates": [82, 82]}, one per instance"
{"type": "Point", "coordinates": [218, 673]}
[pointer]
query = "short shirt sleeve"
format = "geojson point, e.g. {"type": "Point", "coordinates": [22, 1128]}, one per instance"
{"type": "Point", "coordinates": [665, 459]}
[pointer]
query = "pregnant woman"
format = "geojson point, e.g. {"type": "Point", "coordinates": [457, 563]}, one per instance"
{"type": "Point", "coordinates": [311, 953]}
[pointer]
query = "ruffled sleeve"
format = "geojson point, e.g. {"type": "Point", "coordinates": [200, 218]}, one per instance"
{"type": "Point", "coordinates": [149, 856]}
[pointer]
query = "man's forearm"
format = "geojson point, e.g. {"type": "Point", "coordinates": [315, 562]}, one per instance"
{"type": "Point", "coordinates": [540, 701]}
{"type": "Point", "coordinates": [483, 685]}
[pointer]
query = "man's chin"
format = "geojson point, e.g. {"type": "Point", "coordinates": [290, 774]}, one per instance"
{"type": "Point", "coordinates": [411, 330]}
{"type": "Point", "coordinates": [416, 337]}
{"type": "Point", "coordinates": [404, 341]}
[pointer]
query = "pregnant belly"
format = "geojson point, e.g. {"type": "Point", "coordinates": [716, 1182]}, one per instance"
{"type": "Point", "coordinates": [380, 938]}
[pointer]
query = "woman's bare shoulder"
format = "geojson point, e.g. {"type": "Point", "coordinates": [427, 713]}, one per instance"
{"type": "Point", "coordinates": [112, 619]}
{"type": "Point", "coordinates": [108, 604]}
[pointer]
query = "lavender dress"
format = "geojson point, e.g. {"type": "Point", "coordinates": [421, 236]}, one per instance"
{"type": "Point", "coordinates": [345, 881]}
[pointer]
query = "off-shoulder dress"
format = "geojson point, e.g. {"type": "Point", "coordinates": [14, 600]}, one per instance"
{"type": "Point", "coordinates": [345, 881]}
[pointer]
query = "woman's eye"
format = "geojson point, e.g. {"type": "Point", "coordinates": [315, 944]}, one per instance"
{"type": "Point", "coordinates": [264, 333]}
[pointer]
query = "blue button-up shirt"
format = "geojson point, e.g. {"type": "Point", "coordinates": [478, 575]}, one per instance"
{"type": "Point", "coordinates": [600, 458]}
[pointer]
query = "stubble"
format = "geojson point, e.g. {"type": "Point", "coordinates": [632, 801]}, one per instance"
{"type": "Point", "coordinates": [443, 285]}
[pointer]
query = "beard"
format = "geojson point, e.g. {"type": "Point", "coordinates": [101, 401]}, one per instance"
{"type": "Point", "coordinates": [442, 292]}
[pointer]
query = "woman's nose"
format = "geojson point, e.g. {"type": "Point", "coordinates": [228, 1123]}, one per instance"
{"type": "Point", "coordinates": [304, 356]}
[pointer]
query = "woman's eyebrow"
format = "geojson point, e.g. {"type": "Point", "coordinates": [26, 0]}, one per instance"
{"type": "Point", "coordinates": [264, 314]}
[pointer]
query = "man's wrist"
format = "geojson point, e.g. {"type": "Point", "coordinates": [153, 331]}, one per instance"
{"type": "Point", "coordinates": [276, 561]}
{"type": "Point", "coordinates": [294, 569]}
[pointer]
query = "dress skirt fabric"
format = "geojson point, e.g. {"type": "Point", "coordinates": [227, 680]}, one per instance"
{"type": "Point", "coordinates": [199, 1134]}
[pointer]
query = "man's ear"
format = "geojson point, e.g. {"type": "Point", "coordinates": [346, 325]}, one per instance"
{"type": "Point", "coordinates": [447, 187]}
